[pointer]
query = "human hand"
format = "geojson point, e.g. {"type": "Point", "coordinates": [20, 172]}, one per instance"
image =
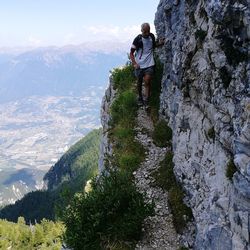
{"type": "Point", "coordinates": [136, 66]}
{"type": "Point", "coordinates": [161, 41]}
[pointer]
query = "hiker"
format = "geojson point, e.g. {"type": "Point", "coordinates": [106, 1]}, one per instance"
{"type": "Point", "coordinates": [143, 60]}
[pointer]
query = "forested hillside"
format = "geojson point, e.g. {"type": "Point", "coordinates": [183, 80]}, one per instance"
{"type": "Point", "coordinates": [68, 176]}
{"type": "Point", "coordinates": [78, 163]}
{"type": "Point", "coordinates": [19, 236]}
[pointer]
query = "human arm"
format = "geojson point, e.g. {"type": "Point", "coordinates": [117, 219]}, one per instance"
{"type": "Point", "coordinates": [132, 58]}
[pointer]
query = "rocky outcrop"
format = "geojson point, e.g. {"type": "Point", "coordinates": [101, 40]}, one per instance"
{"type": "Point", "coordinates": [206, 99]}
{"type": "Point", "coordinates": [106, 145]}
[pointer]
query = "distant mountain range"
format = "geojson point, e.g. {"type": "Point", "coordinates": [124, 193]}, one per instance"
{"type": "Point", "coordinates": [55, 71]}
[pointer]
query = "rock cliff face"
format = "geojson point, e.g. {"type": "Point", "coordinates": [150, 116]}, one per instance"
{"type": "Point", "coordinates": [105, 145]}
{"type": "Point", "coordinates": [206, 99]}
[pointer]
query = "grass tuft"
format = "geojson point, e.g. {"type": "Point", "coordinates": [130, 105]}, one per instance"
{"type": "Point", "coordinates": [200, 35]}
{"type": "Point", "coordinates": [165, 178]}
{"type": "Point", "coordinates": [123, 109]}
{"type": "Point", "coordinates": [211, 133]}
{"type": "Point", "coordinates": [183, 248]}
{"type": "Point", "coordinates": [181, 212]}
{"type": "Point", "coordinates": [225, 77]}
{"type": "Point", "coordinates": [123, 78]}
{"type": "Point", "coordinates": [165, 175]}
{"type": "Point", "coordinates": [162, 134]}
{"type": "Point", "coordinates": [231, 169]}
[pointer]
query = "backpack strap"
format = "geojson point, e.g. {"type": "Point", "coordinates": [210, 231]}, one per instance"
{"type": "Point", "coordinates": [139, 44]}
{"type": "Point", "coordinates": [153, 42]}
{"type": "Point", "coordinates": [153, 39]}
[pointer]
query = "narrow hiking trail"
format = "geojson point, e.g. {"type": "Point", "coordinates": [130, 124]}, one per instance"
{"type": "Point", "coordinates": [158, 230]}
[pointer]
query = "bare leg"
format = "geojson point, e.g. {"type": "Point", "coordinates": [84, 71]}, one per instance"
{"type": "Point", "coordinates": [139, 87]}
{"type": "Point", "coordinates": [147, 81]}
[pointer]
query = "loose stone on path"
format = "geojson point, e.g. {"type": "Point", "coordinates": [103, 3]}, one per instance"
{"type": "Point", "coordinates": [158, 230]}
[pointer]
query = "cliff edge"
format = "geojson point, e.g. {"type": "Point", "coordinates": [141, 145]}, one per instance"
{"type": "Point", "coordinates": [205, 98]}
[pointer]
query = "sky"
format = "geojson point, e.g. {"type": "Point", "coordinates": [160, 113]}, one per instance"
{"type": "Point", "coordinates": [39, 23]}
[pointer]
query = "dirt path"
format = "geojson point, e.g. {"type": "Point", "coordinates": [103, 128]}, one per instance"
{"type": "Point", "coordinates": [158, 230]}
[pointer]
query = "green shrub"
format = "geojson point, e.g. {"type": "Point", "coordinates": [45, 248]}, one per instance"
{"type": "Point", "coordinates": [211, 133]}
{"type": "Point", "coordinates": [186, 89]}
{"type": "Point", "coordinates": [200, 35]}
{"type": "Point", "coordinates": [225, 77]}
{"type": "Point", "coordinates": [165, 177]}
{"type": "Point", "coordinates": [183, 248]}
{"type": "Point", "coordinates": [123, 78]}
{"type": "Point", "coordinates": [18, 236]}
{"type": "Point", "coordinates": [231, 169]}
{"type": "Point", "coordinates": [112, 212]}
{"type": "Point", "coordinates": [123, 133]}
{"type": "Point", "coordinates": [181, 212]}
{"type": "Point", "coordinates": [233, 53]}
{"type": "Point", "coordinates": [129, 153]}
{"type": "Point", "coordinates": [203, 14]}
{"type": "Point", "coordinates": [162, 134]}
{"type": "Point", "coordinates": [192, 18]}
{"type": "Point", "coordinates": [129, 161]}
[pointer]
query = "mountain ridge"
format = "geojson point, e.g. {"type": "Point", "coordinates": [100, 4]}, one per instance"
{"type": "Point", "coordinates": [54, 71]}
{"type": "Point", "coordinates": [105, 46]}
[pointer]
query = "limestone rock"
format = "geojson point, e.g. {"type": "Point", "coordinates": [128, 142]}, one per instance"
{"type": "Point", "coordinates": [105, 145]}
{"type": "Point", "coordinates": [205, 85]}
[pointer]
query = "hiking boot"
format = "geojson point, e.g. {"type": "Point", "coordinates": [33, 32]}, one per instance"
{"type": "Point", "coordinates": [140, 101]}
{"type": "Point", "coordinates": [146, 104]}
{"type": "Point", "coordinates": [146, 101]}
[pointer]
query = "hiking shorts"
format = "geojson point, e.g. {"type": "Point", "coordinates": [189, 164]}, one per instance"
{"type": "Point", "coordinates": [140, 73]}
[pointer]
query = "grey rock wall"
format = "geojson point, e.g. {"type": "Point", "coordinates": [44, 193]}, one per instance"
{"type": "Point", "coordinates": [206, 99]}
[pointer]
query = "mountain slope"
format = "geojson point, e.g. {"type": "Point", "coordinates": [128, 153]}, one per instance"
{"type": "Point", "coordinates": [68, 176]}
{"type": "Point", "coordinates": [15, 183]}
{"type": "Point", "coordinates": [70, 164]}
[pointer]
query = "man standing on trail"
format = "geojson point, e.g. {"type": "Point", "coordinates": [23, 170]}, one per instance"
{"type": "Point", "coordinates": [143, 60]}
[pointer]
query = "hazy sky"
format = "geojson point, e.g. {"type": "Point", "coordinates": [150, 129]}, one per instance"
{"type": "Point", "coordinates": [61, 22]}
